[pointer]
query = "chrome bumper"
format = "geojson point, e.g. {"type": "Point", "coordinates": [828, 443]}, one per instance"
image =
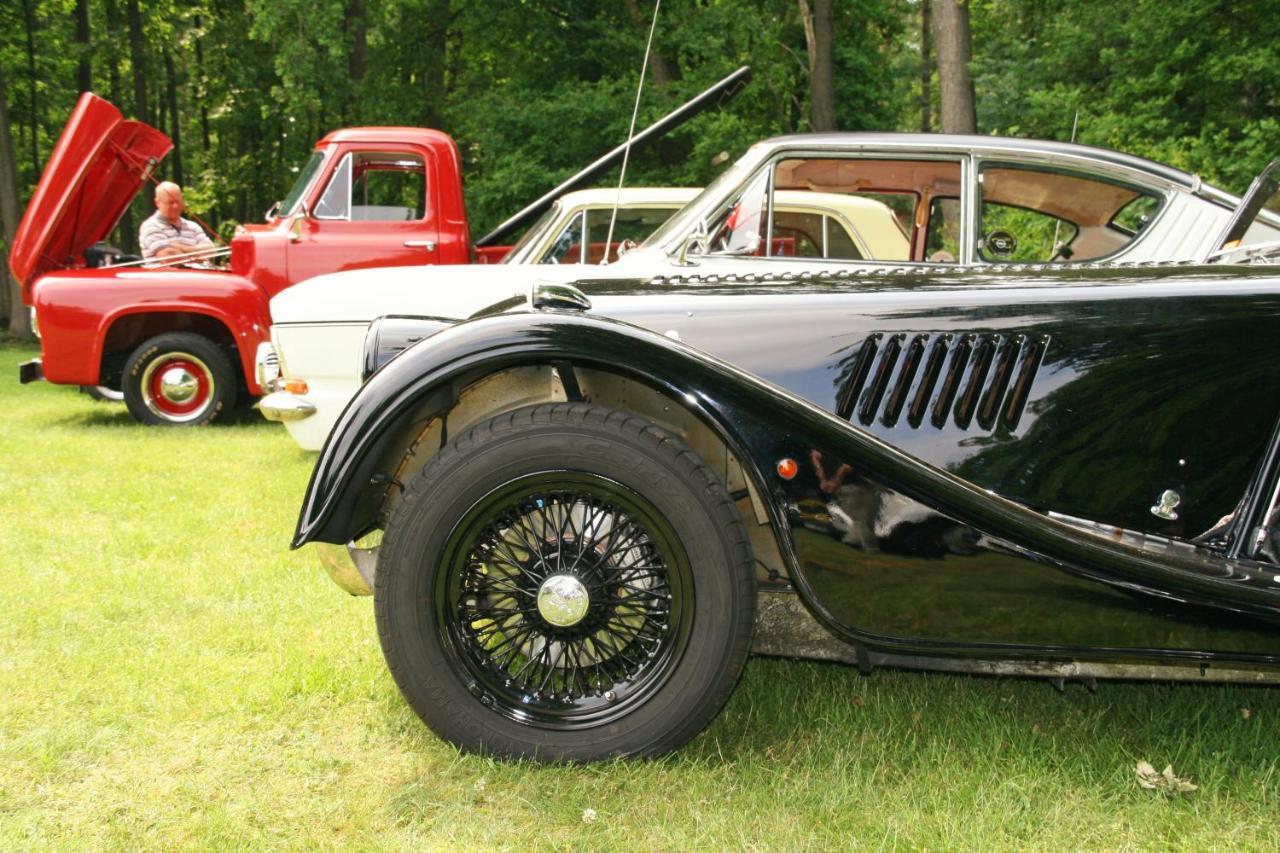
{"type": "Point", "coordinates": [282, 406]}
{"type": "Point", "coordinates": [350, 567]}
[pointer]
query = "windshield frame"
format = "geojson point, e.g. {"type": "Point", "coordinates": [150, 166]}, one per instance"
{"type": "Point", "coordinates": [532, 237]}
{"type": "Point", "coordinates": [727, 181]}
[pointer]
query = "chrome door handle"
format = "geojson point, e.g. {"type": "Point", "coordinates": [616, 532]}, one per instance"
{"type": "Point", "coordinates": [429, 245]}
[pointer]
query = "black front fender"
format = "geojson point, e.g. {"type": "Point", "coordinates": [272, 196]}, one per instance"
{"type": "Point", "coordinates": [342, 496]}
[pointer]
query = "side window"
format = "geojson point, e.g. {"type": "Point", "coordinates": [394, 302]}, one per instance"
{"type": "Point", "coordinates": [797, 235]}
{"type": "Point", "coordinates": [1040, 214]}
{"type": "Point", "coordinates": [871, 208]}
{"type": "Point", "coordinates": [1015, 234]}
{"type": "Point", "coordinates": [1270, 548]}
{"type": "Point", "coordinates": [388, 188]}
{"type": "Point", "coordinates": [375, 187]}
{"type": "Point", "coordinates": [739, 230]}
{"type": "Point", "coordinates": [1135, 216]}
{"type": "Point", "coordinates": [811, 235]}
{"type": "Point", "coordinates": [942, 235]}
{"type": "Point", "coordinates": [839, 243]}
{"type": "Point", "coordinates": [567, 247]}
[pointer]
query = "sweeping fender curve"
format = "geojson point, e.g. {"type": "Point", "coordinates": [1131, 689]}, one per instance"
{"type": "Point", "coordinates": [760, 423]}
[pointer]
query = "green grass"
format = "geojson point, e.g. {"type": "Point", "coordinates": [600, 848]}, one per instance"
{"type": "Point", "coordinates": [171, 675]}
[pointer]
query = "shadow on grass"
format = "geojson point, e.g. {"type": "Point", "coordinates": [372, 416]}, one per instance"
{"type": "Point", "coordinates": [111, 414]}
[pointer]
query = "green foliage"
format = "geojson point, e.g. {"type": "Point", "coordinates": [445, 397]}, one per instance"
{"type": "Point", "coordinates": [1191, 83]}
{"type": "Point", "coordinates": [534, 89]}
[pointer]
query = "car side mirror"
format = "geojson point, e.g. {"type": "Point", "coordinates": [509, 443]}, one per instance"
{"type": "Point", "coordinates": [695, 243]}
{"type": "Point", "coordinates": [295, 227]}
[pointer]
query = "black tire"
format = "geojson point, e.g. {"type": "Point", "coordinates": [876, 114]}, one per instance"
{"type": "Point", "coordinates": [637, 642]}
{"type": "Point", "coordinates": [179, 379]}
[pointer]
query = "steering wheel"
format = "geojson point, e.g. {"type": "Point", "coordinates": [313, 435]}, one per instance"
{"type": "Point", "coordinates": [1000, 244]}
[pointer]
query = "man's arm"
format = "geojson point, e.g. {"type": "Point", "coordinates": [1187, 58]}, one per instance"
{"type": "Point", "coordinates": [156, 243]}
{"type": "Point", "coordinates": [151, 239]}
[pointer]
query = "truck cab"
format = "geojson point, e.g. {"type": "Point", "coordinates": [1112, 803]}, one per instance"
{"type": "Point", "coordinates": [367, 197]}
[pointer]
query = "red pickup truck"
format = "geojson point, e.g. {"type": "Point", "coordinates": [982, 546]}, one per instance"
{"type": "Point", "coordinates": [178, 342]}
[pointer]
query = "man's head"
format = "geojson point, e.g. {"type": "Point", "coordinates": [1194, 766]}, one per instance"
{"type": "Point", "coordinates": [169, 201]}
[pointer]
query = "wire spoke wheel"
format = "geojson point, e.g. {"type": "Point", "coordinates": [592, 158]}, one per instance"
{"type": "Point", "coordinates": [565, 599]}
{"type": "Point", "coordinates": [565, 582]}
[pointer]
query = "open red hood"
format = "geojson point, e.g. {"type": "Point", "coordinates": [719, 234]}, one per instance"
{"type": "Point", "coordinates": [100, 162]}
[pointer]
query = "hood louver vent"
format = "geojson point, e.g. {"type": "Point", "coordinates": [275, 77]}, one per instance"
{"type": "Point", "coordinates": [970, 377]}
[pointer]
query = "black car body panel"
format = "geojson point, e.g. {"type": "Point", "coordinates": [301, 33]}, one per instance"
{"type": "Point", "coordinates": [936, 519]}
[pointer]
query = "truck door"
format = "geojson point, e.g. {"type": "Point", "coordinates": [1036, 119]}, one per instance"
{"type": "Point", "coordinates": [377, 209]}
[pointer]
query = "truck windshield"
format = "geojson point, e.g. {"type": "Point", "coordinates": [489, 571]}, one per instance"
{"type": "Point", "coordinates": [305, 174]}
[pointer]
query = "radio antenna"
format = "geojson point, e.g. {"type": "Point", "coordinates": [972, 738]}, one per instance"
{"type": "Point", "coordinates": [1075, 125]}
{"type": "Point", "coordinates": [626, 153]}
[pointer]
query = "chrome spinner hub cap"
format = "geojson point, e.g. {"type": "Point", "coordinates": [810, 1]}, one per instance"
{"type": "Point", "coordinates": [178, 385]}
{"type": "Point", "coordinates": [563, 600]}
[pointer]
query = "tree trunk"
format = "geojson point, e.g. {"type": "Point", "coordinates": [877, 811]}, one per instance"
{"type": "Point", "coordinates": [202, 96]}
{"type": "Point", "coordinates": [84, 70]}
{"type": "Point", "coordinates": [435, 60]}
{"type": "Point", "coordinates": [955, 49]}
{"type": "Point", "coordinates": [10, 292]}
{"type": "Point", "coordinates": [926, 70]}
{"type": "Point", "coordinates": [663, 70]}
{"type": "Point", "coordinates": [818, 37]}
{"type": "Point", "coordinates": [358, 34]}
{"type": "Point", "coordinates": [137, 58]}
{"type": "Point", "coordinates": [29, 16]}
{"type": "Point", "coordinates": [175, 124]}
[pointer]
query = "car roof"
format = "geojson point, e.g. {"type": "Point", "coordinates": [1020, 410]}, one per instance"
{"type": "Point", "coordinates": [392, 135]}
{"type": "Point", "coordinates": [989, 145]}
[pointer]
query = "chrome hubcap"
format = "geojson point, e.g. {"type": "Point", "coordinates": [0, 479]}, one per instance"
{"type": "Point", "coordinates": [563, 600]}
{"type": "Point", "coordinates": [178, 385]}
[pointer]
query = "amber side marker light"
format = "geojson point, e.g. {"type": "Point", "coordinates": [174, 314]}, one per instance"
{"type": "Point", "coordinates": [787, 469]}
{"type": "Point", "coordinates": [296, 386]}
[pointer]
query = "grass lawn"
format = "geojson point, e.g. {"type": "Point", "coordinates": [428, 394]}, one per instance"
{"type": "Point", "coordinates": [171, 675]}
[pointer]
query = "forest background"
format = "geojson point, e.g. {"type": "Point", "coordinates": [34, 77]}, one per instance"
{"type": "Point", "coordinates": [534, 89]}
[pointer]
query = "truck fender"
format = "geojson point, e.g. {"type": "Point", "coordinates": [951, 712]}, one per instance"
{"type": "Point", "coordinates": [246, 319]}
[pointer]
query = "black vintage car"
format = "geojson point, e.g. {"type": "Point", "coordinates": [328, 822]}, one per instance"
{"type": "Point", "coordinates": [586, 495]}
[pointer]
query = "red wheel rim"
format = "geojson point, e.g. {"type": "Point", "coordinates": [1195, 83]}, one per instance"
{"type": "Point", "coordinates": [177, 387]}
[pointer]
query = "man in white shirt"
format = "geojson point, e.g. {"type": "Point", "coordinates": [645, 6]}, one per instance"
{"type": "Point", "coordinates": [165, 233]}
